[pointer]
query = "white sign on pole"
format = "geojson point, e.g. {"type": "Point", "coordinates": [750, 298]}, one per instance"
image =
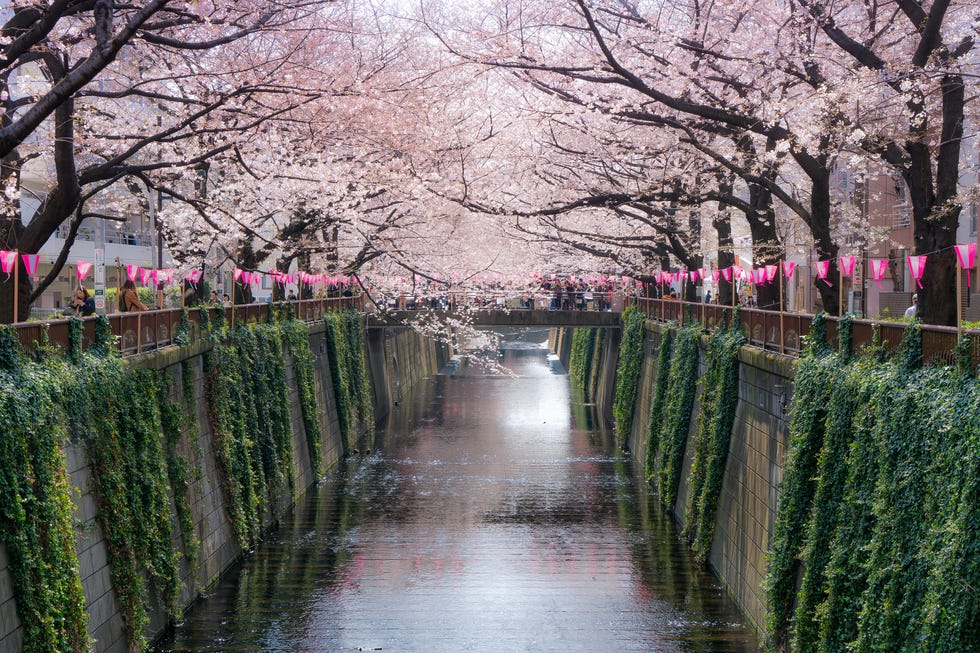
{"type": "Point", "coordinates": [99, 281]}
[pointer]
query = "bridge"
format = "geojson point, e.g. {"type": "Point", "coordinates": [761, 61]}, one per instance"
{"type": "Point", "coordinates": [501, 318]}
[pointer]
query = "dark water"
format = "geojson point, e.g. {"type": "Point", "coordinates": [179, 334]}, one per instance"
{"type": "Point", "coordinates": [489, 517]}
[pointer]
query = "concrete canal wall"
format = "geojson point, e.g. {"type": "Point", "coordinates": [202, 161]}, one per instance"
{"type": "Point", "coordinates": [396, 359]}
{"type": "Point", "coordinates": [747, 507]}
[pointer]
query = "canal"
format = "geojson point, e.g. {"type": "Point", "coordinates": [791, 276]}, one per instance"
{"type": "Point", "coordinates": [489, 515]}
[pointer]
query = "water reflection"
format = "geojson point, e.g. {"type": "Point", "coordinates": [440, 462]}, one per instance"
{"type": "Point", "coordinates": [487, 518]}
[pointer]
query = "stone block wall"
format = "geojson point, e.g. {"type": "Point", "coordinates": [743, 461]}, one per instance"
{"type": "Point", "coordinates": [398, 358]}
{"type": "Point", "coordinates": [749, 495]}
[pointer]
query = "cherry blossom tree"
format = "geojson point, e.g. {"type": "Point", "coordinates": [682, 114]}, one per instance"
{"type": "Point", "coordinates": [754, 75]}
{"type": "Point", "coordinates": [912, 61]}
{"type": "Point", "coordinates": [97, 93]}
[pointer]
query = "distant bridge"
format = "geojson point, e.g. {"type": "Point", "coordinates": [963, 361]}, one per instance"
{"type": "Point", "coordinates": [502, 318]}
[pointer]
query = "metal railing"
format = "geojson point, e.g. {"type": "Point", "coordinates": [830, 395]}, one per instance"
{"type": "Point", "coordinates": [783, 332]}
{"type": "Point", "coordinates": [145, 331]}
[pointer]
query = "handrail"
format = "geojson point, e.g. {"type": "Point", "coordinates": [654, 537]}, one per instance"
{"type": "Point", "coordinates": [783, 332]}
{"type": "Point", "coordinates": [144, 331]}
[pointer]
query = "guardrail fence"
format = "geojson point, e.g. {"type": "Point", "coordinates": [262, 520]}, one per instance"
{"type": "Point", "coordinates": [148, 330]}
{"type": "Point", "coordinates": [783, 332]}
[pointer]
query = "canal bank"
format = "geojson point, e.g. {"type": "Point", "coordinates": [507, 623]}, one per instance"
{"type": "Point", "coordinates": [752, 467]}
{"type": "Point", "coordinates": [836, 496]}
{"type": "Point", "coordinates": [240, 429]}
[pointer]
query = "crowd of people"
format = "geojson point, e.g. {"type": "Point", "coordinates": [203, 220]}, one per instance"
{"type": "Point", "coordinates": [549, 293]}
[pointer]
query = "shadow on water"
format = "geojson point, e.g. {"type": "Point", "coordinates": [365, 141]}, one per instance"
{"type": "Point", "coordinates": [491, 516]}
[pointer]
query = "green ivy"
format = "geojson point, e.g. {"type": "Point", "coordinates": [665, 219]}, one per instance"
{"type": "Point", "coordinates": [116, 414]}
{"type": "Point", "coordinates": [36, 510]}
{"type": "Point", "coordinates": [182, 333]}
{"type": "Point", "coordinates": [348, 370]}
{"type": "Point", "coordinates": [846, 396]}
{"type": "Point", "coordinates": [889, 537]}
{"type": "Point", "coordinates": [179, 420]}
{"type": "Point", "coordinates": [655, 421]}
{"type": "Point", "coordinates": [631, 350]}
{"type": "Point", "coordinates": [678, 405]}
{"type": "Point", "coordinates": [131, 483]}
{"type": "Point", "coordinates": [592, 391]}
{"type": "Point", "coordinates": [719, 400]}
{"type": "Point", "coordinates": [581, 361]}
{"type": "Point", "coordinates": [131, 425]}
{"type": "Point", "coordinates": [811, 395]}
{"type": "Point", "coordinates": [245, 384]}
{"type": "Point", "coordinates": [297, 337]}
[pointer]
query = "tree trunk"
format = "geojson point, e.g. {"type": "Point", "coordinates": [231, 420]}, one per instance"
{"type": "Point", "coordinates": [242, 293]}
{"type": "Point", "coordinates": [822, 242]}
{"type": "Point", "coordinates": [936, 212]}
{"type": "Point", "coordinates": [766, 246]}
{"type": "Point", "coordinates": [726, 254]}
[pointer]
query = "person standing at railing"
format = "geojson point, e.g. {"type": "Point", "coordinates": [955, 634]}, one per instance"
{"type": "Point", "coordinates": [129, 299]}
{"type": "Point", "coordinates": [912, 310]}
{"type": "Point", "coordinates": [84, 303]}
{"type": "Point", "coordinates": [291, 296]}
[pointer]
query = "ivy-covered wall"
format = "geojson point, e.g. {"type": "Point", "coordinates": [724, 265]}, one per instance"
{"type": "Point", "coordinates": [708, 435]}
{"type": "Point", "coordinates": [877, 544]}
{"type": "Point", "coordinates": [127, 487]}
{"type": "Point", "coordinates": [837, 498]}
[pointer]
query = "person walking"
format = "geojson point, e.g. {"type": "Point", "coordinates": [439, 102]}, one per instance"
{"type": "Point", "coordinates": [129, 299]}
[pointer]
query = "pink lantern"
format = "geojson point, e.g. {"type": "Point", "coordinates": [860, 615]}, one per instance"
{"type": "Point", "coordinates": [682, 275]}
{"type": "Point", "coordinates": [131, 271]}
{"type": "Point", "coordinates": [30, 262]}
{"type": "Point", "coordinates": [771, 271]}
{"type": "Point", "coordinates": [7, 260]}
{"type": "Point", "coordinates": [715, 275]}
{"type": "Point", "coordinates": [917, 265]}
{"type": "Point", "coordinates": [237, 273]}
{"type": "Point", "coordinates": [823, 269]}
{"type": "Point", "coordinates": [847, 265]}
{"type": "Point", "coordinates": [145, 276]}
{"type": "Point", "coordinates": [737, 271]}
{"type": "Point", "coordinates": [878, 268]}
{"type": "Point", "coordinates": [788, 268]}
{"type": "Point", "coordinates": [81, 269]}
{"type": "Point", "coordinates": [967, 256]}
{"type": "Point", "coordinates": [727, 273]}
{"type": "Point", "coordinates": [695, 275]}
